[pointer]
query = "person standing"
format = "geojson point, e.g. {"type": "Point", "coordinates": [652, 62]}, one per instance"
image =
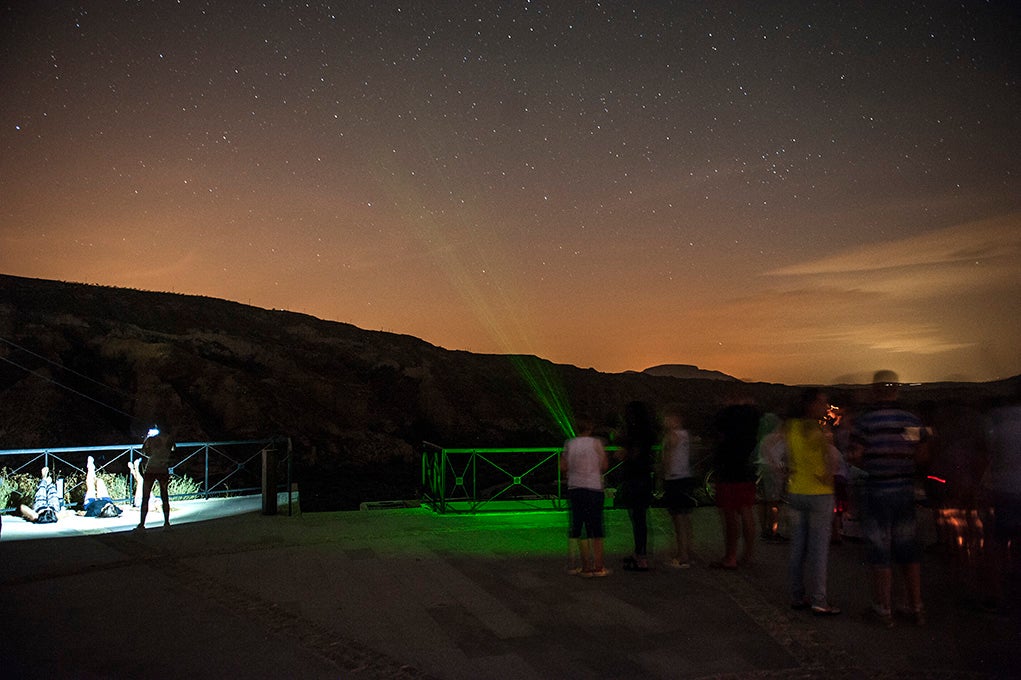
{"type": "Point", "coordinates": [810, 498]}
{"type": "Point", "coordinates": [637, 482]}
{"type": "Point", "coordinates": [737, 429]}
{"type": "Point", "coordinates": [772, 462]}
{"type": "Point", "coordinates": [889, 443]}
{"type": "Point", "coordinates": [1003, 483]}
{"type": "Point", "coordinates": [678, 486]}
{"type": "Point", "coordinates": [584, 461]}
{"type": "Point", "coordinates": [158, 448]}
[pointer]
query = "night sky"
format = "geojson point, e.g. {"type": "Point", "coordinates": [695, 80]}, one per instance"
{"type": "Point", "coordinates": [788, 192]}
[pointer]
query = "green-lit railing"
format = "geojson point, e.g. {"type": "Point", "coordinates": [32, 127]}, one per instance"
{"type": "Point", "coordinates": [487, 480]}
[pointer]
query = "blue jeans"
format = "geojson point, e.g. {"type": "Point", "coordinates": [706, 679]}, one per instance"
{"type": "Point", "coordinates": [811, 521]}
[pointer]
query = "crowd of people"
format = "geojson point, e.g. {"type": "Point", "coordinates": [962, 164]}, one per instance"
{"type": "Point", "coordinates": [808, 469]}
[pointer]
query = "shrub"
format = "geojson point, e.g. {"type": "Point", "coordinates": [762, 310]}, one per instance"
{"type": "Point", "coordinates": [184, 488]}
{"type": "Point", "coordinates": [20, 487]}
{"type": "Point", "coordinates": [17, 488]}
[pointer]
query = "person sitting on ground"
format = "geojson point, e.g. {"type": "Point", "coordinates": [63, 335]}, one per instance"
{"type": "Point", "coordinates": [46, 504]}
{"type": "Point", "coordinates": [98, 502]}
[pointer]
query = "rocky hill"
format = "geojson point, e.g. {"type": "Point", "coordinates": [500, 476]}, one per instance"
{"type": "Point", "coordinates": [84, 365]}
{"type": "Point", "coordinates": [687, 371]}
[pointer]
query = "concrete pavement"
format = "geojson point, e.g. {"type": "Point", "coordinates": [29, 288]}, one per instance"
{"type": "Point", "coordinates": [410, 594]}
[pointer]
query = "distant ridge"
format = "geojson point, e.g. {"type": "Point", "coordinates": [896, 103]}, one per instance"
{"type": "Point", "coordinates": [687, 371]}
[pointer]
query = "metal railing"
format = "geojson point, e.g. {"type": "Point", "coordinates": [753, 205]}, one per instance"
{"type": "Point", "coordinates": [500, 479]}
{"type": "Point", "coordinates": [226, 468]}
{"type": "Point", "coordinates": [488, 480]}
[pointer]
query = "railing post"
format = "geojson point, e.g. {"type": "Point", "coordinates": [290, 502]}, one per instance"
{"type": "Point", "coordinates": [269, 480]}
{"type": "Point", "coordinates": [206, 481]}
{"type": "Point", "coordinates": [290, 488]}
{"type": "Point", "coordinates": [443, 480]}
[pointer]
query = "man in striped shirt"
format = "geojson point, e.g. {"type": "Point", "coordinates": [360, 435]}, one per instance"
{"type": "Point", "coordinates": [888, 443]}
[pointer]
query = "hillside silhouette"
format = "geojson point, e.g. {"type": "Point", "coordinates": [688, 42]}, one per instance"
{"type": "Point", "coordinates": [84, 365]}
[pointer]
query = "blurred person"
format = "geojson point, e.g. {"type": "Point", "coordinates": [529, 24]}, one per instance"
{"type": "Point", "coordinates": [841, 475]}
{"type": "Point", "coordinates": [811, 466]}
{"type": "Point", "coordinates": [836, 425]}
{"type": "Point", "coordinates": [847, 495]}
{"type": "Point", "coordinates": [637, 464]}
{"type": "Point", "coordinates": [889, 444]}
{"type": "Point", "coordinates": [1003, 485]}
{"type": "Point", "coordinates": [772, 462]}
{"type": "Point", "coordinates": [737, 428]}
{"type": "Point", "coordinates": [678, 486]}
{"type": "Point", "coordinates": [584, 461]}
{"type": "Point", "coordinates": [158, 448]}
{"type": "Point", "coordinates": [953, 486]}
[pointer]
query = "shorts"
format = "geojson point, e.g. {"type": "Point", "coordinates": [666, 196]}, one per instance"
{"type": "Point", "coordinates": [679, 495]}
{"type": "Point", "coordinates": [889, 526]}
{"type": "Point", "coordinates": [735, 495]}
{"type": "Point", "coordinates": [586, 507]}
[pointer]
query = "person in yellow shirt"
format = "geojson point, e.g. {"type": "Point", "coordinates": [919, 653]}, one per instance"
{"type": "Point", "coordinates": [810, 501]}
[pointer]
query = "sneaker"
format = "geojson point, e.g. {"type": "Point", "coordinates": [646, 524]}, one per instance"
{"type": "Point", "coordinates": [574, 571]}
{"type": "Point", "coordinates": [596, 573]}
{"type": "Point", "coordinates": [825, 610]}
{"type": "Point", "coordinates": [677, 564]}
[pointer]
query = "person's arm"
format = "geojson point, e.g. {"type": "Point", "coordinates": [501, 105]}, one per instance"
{"type": "Point", "coordinates": [563, 458]}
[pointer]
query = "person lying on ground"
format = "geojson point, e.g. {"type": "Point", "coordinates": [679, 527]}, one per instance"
{"type": "Point", "coordinates": [98, 502]}
{"type": "Point", "coordinates": [46, 504]}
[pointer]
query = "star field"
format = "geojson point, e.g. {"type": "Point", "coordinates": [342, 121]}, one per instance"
{"type": "Point", "coordinates": [602, 184]}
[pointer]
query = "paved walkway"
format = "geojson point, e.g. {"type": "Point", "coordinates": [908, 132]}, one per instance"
{"type": "Point", "coordinates": [410, 594]}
